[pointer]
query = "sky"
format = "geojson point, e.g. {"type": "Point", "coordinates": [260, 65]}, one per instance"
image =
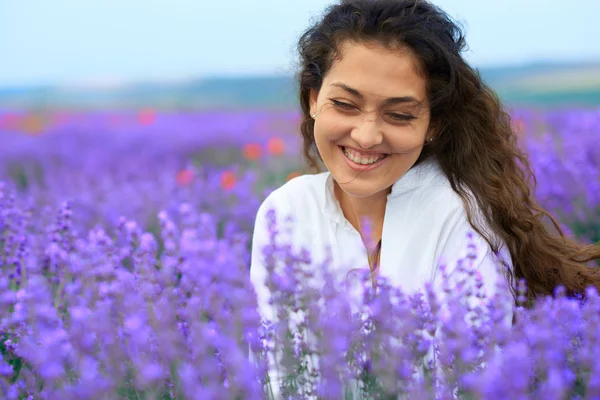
{"type": "Point", "coordinates": [117, 41]}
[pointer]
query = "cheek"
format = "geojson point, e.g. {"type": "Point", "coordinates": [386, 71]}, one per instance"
{"type": "Point", "coordinates": [330, 129]}
{"type": "Point", "coordinates": [405, 142]}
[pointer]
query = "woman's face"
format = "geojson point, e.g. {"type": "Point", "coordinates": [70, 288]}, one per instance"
{"type": "Point", "coordinates": [372, 117]}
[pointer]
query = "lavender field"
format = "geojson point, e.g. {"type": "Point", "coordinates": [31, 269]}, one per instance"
{"type": "Point", "coordinates": [124, 272]}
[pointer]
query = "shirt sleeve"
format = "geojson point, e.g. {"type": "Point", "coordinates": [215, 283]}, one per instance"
{"type": "Point", "coordinates": [261, 238]}
{"type": "Point", "coordinates": [461, 243]}
{"type": "Point", "coordinates": [259, 270]}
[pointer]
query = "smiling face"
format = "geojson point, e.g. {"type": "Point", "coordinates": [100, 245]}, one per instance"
{"type": "Point", "coordinates": [372, 117]}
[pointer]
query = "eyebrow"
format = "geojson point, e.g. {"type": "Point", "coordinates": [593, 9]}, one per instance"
{"type": "Point", "coordinates": [386, 102]}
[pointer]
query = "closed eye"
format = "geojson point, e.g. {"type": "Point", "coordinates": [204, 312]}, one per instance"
{"type": "Point", "coordinates": [402, 117]}
{"type": "Point", "coordinates": [341, 104]}
{"type": "Point", "coordinates": [394, 116]}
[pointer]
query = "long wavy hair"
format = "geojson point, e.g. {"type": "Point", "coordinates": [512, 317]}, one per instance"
{"type": "Point", "coordinates": [475, 144]}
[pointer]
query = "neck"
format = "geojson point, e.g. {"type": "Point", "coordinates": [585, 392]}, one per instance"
{"type": "Point", "coordinates": [358, 210]}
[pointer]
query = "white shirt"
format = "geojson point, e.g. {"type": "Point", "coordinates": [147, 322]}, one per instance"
{"type": "Point", "coordinates": [425, 224]}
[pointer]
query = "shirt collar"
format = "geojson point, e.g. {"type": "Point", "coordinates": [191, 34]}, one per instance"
{"type": "Point", "coordinates": [418, 176]}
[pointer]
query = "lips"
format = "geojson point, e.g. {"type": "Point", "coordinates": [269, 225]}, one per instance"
{"type": "Point", "coordinates": [362, 158]}
{"type": "Point", "coordinates": [362, 162]}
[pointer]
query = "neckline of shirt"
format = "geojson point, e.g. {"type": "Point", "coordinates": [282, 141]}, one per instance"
{"type": "Point", "coordinates": [414, 178]}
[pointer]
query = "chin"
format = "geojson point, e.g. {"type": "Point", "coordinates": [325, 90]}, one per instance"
{"type": "Point", "coordinates": [362, 189]}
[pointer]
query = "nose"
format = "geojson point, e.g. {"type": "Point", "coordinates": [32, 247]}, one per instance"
{"type": "Point", "coordinates": [367, 134]}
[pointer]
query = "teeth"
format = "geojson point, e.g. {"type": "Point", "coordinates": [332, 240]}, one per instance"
{"type": "Point", "coordinates": [361, 159]}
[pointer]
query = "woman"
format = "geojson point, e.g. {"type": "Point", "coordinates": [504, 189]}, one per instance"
{"type": "Point", "coordinates": [416, 143]}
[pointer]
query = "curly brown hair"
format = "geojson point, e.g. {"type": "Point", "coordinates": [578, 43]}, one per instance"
{"type": "Point", "coordinates": [475, 143]}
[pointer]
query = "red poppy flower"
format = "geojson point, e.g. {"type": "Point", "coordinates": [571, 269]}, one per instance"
{"type": "Point", "coordinates": [184, 177]}
{"type": "Point", "coordinates": [252, 151]}
{"type": "Point", "coordinates": [276, 146]}
{"type": "Point", "coordinates": [146, 117]}
{"type": "Point", "coordinates": [228, 180]}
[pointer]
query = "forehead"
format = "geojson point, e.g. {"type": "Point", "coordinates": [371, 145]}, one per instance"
{"type": "Point", "coordinates": [377, 71]}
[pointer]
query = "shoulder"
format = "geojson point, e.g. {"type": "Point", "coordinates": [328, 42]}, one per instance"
{"type": "Point", "coordinates": [426, 185]}
{"type": "Point", "coordinates": [311, 184]}
{"type": "Point", "coordinates": [301, 194]}
{"type": "Point", "coordinates": [437, 195]}
{"type": "Point", "coordinates": [444, 207]}
{"type": "Point", "coordinates": [276, 219]}
{"type": "Point", "coordinates": [459, 217]}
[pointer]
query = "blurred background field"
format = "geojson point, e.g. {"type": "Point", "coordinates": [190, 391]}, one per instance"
{"type": "Point", "coordinates": [134, 164]}
{"type": "Point", "coordinates": [539, 85]}
{"type": "Point", "coordinates": [131, 108]}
